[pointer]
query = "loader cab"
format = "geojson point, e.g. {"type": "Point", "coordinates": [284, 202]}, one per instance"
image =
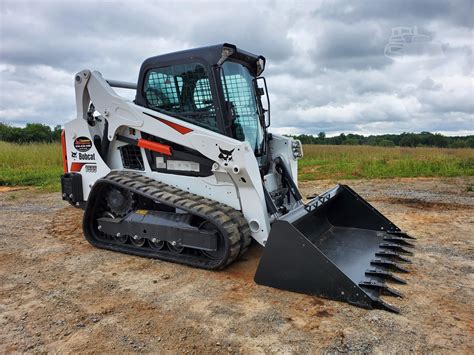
{"type": "Point", "coordinates": [214, 87]}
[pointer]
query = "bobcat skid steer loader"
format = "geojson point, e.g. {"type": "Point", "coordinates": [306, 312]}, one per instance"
{"type": "Point", "coordinates": [188, 173]}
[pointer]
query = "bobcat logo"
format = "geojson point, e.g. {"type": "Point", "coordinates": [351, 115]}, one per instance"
{"type": "Point", "coordinates": [225, 155]}
{"type": "Point", "coordinates": [73, 154]}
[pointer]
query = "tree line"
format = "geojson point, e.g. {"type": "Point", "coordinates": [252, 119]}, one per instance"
{"type": "Point", "coordinates": [32, 132]}
{"type": "Point", "coordinates": [37, 132]}
{"type": "Point", "coordinates": [423, 139]}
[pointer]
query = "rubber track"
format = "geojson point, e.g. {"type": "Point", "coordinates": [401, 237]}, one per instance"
{"type": "Point", "coordinates": [231, 222]}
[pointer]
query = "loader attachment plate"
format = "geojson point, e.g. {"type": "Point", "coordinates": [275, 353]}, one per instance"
{"type": "Point", "coordinates": [337, 246]}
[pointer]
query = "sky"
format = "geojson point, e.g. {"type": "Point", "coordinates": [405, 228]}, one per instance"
{"type": "Point", "coordinates": [369, 67]}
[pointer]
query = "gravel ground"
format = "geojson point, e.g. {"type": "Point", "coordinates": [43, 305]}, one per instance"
{"type": "Point", "coordinates": [59, 294]}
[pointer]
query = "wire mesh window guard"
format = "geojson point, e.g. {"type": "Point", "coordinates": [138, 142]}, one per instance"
{"type": "Point", "coordinates": [239, 89]}
{"type": "Point", "coordinates": [183, 89]}
{"type": "Point", "coordinates": [132, 157]}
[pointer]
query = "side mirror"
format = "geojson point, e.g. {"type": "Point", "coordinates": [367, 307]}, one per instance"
{"type": "Point", "coordinates": [264, 104]}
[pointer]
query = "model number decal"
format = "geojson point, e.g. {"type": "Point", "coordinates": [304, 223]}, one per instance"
{"type": "Point", "coordinates": [91, 168]}
{"type": "Point", "coordinates": [82, 144]}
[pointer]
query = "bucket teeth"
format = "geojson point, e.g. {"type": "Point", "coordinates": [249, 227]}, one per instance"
{"type": "Point", "coordinates": [387, 276]}
{"type": "Point", "coordinates": [382, 288]}
{"type": "Point", "coordinates": [398, 240]}
{"type": "Point", "coordinates": [388, 265]}
{"type": "Point", "coordinates": [390, 255]}
{"type": "Point", "coordinates": [401, 234]}
{"type": "Point", "coordinates": [378, 303]}
{"type": "Point", "coordinates": [395, 247]}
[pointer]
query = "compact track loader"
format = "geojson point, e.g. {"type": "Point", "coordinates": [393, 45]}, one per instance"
{"type": "Point", "coordinates": [189, 173]}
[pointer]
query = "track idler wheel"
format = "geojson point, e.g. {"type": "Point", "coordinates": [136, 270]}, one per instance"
{"type": "Point", "coordinates": [122, 239]}
{"type": "Point", "coordinates": [156, 244]}
{"type": "Point", "coordinates": [220, 251]}
{"type": "Point", "coordinates": [177, 249]}
{"type": "Point", "coordinates": [139, 242]}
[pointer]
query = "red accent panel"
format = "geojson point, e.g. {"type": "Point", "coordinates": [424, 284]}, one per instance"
{"type": "Point", "coordinates": [63, 144]}
{"type": "Point", "coordinates": [77, 166]}
{"type": "Point", "coordinates": [156, 147]}
{"type": "Point", "coordinates": [175, 126]}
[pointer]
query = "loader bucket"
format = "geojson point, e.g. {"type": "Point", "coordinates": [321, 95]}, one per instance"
{"type": "Point", "coordinates": [337, 246]}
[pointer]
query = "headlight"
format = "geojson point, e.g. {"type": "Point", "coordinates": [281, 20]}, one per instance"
{"type": "Point", "coordinates": [297, 149]}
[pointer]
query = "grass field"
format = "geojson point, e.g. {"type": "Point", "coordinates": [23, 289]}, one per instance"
{"type": "Point", "coordinates": [38, 164]}
{"type": "Point", "coordinates": [41, 165]}
{"type": "Point", "coordinates": [367, 162]}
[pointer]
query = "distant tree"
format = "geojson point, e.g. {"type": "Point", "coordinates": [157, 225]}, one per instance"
{"type": "Point", "coordinates": [306, 139]}
{"type": "Point", "coordinates": [36, 132]}
{"type": "Point", "coordinates": [439, 140]}
{"type": "Point", "coordinates": [350, 141]}
{"type": "Point", "coordinates": [385, 143]}
{"type": "Point", "coordinates": [470, 142]}
{"type": "Point", "coordinates": [409, 140]}
{"type": "Point", "coordinates": [4, 131]}
{"type": "Point", "coordinates": [321, 136]}
{"type": "Point", "coordinates": [56, 134]}
{"type": "Point", "coordinates": [339, 139]}
{"type": "Point", "coordinates": [10, 134]}
{"type": "Point", "coordinates": [458, 144]}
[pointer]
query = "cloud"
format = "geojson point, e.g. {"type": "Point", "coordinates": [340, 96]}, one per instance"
{"type": "Point", "coordinates": [326, 65]}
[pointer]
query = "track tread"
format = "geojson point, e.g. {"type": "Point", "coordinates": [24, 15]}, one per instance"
{"type": "Point", "coordinates": [231, 222]}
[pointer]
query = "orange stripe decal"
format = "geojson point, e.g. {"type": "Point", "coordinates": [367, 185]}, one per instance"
{"type": "Point", "coordinates": [156, 147]}
{"type": "Point", "coordinates": [77, 166]}
{"type": "Point", "coordinates": [175, 126]}
{"type": "Point", "coordinates": [63, 144]}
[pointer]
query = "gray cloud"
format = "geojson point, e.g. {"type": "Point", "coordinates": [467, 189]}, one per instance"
{"type": "Point", "coordinates": [326, 65]}
{"type": "Point", "coordinates": [341, 46]}
{"type": "Point", "coordinates": [454, 12]}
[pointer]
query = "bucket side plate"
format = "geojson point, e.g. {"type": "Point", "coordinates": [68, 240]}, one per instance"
{"type": "Point", "coordinates": [291, 262]}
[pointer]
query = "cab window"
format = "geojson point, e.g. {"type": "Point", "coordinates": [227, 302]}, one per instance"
{"type": "Point", "coordinates": [182, 91]}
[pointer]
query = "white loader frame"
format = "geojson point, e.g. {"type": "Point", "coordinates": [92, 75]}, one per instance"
{"type": "Point", "coordinates": [237, 184]}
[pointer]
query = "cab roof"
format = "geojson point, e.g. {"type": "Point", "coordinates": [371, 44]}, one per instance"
{"type": "Point", "coordinates": [210, 54]}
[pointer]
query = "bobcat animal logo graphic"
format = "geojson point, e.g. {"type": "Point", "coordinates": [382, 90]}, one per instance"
{"type": "Point", "coordinates": [225, 155]}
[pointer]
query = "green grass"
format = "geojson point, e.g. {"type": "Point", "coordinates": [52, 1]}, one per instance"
{"type": "Point", "coordinates": [367, 162]}
{"type": "Point", "coordinates": [37, 164]}
{"type": "Point", "coordinates": [41, 165]}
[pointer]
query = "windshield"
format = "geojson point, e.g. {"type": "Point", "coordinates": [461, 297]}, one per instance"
{"type": "Point", "coordinates": [239, 89]}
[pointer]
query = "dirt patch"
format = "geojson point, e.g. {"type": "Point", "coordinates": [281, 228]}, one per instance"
{"type": "Point", "coordinates": [418, 203]}
{"type": "Point", "coordinates": [12, 188]}
{"type": "Point", "coordinates": [58, 293]}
